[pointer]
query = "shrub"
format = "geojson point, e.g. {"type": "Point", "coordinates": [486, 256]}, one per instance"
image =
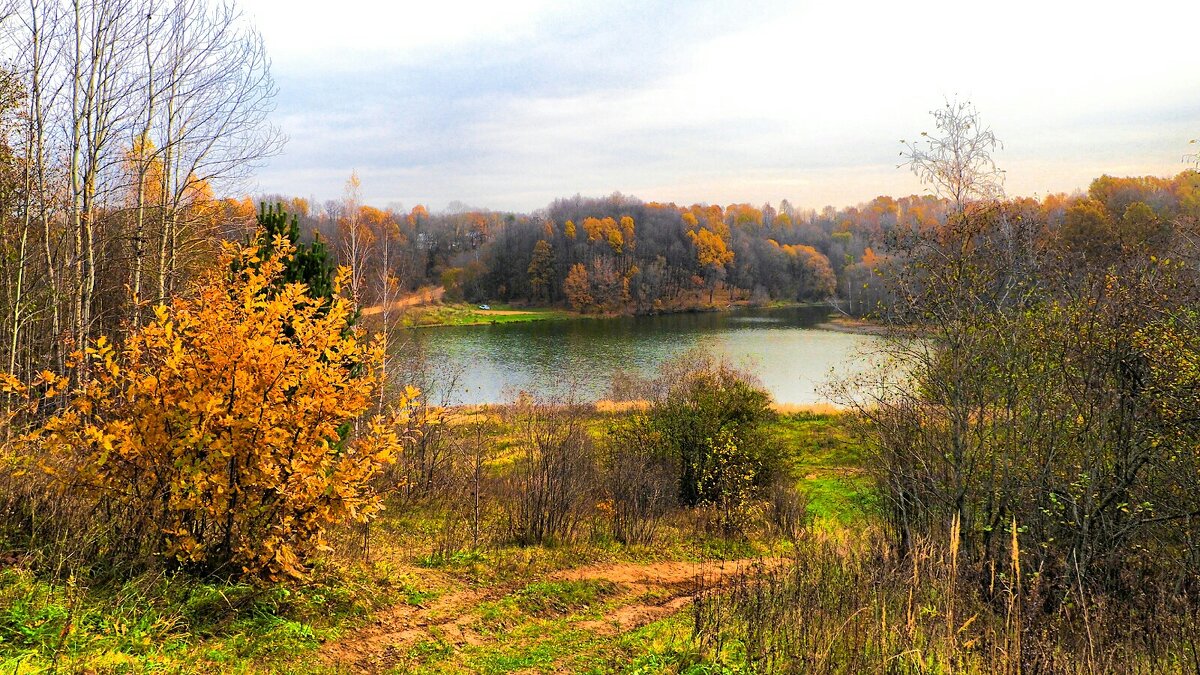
{"type": "Point", "coordinates": [640, 485]}
{"type": "Point", "coordinates": [706, 418]}
{"type": "Point", "coordinates": [710, 416]}
{"type": "Point", "coordinates": [219, 435]}
{"type": "Point", "coordinates": [551, 483]}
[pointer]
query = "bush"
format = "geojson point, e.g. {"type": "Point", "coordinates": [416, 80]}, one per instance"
{"type": "Point", "coordinates": [710, 417]}
{"type": "Point", "coordinates": [639, 481]}
{"type": "Point", "coordinates": [706, 418]}
{"type": "Point", "coordinates": [552, 482]}
{"type": "Point", "coordinates": [218, 436]}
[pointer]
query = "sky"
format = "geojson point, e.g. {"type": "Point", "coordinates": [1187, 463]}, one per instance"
{"type": "Point", "coordinates": [509, 105]}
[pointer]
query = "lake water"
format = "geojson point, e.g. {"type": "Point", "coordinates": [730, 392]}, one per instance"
{"type": "Point", "coordinates": [791, 357]}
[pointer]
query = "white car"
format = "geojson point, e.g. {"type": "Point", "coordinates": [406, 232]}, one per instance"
{"type": "Point", "coordinates": [485, 307]}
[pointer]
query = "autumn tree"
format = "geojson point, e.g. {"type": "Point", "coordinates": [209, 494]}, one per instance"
{"type": "Point", "coordinates": [809, 275]}
{"type": "Point", "coordinates": [577, 288]}
{"type": "Point", "coordinates": [608, 231]}
{"type": "Point", "coordinates": [950, 282]}
{"type": "Point", "coordinates": [1088, 232]}
{"type": "Point", "coordinates": [712, 254]}
{"type": "Point", "coordinates": [608, 289]}
{"type": "Point", "coordinates": [541, 268]}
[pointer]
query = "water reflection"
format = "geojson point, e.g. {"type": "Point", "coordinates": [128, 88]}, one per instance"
{"type": "Point", "coordinates": [556, 358]}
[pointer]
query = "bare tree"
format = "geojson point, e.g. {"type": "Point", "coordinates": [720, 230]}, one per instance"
{"type": "Point", "coordinates": [103, 45]}
{"type": "Point", "coordinates": [957, 161]}
{"type": "Point", "coordinates": [353, 238]}
{"type": "Point", "coordinates": [142, 153]}
{"type": "Point", "coordinates": [217, 94]}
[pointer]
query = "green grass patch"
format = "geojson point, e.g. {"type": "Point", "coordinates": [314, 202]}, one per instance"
{"type": "Point", "coordinates": [828, 460]}
{"type": "Point", "coordinates": [463, 314]}
{"type": "Point", "coordinates": [168, 623]}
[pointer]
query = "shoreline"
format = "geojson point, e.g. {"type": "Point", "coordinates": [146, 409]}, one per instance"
{"type": "Point", "coordinates": [842, 324]}
{"type": "Point", "coordinates": [609, 406]}
{"type": "Point", "coordinates": [511, 314]}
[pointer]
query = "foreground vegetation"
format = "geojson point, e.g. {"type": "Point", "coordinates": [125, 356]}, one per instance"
{"type": "Point", "coordinates": [418, 593]}
{"type": "Point", "coordinates": [493, 606]}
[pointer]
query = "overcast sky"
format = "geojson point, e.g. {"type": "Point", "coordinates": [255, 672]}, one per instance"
{"type": "Point", "coordinates": [510, 104]}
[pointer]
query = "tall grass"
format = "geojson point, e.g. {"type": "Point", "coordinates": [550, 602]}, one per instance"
{"type": "Point", "coordinates": [841, 607]}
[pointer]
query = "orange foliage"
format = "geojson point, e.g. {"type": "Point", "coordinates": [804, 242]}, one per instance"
{"type": "Point", "coordinates": [711, 250]}
{"type": "Point", "coordinates": [418, 215]}
{"type": "Point", "coordinates": [577, 287]}
{"type": "Point", "coordinates": [744, 216]}
{"type": "Point", "coordinates": [221, 426]}
{"type": "Point", "coordinates": [607, 230]}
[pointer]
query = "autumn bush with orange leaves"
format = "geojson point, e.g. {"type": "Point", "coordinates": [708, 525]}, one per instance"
{"type": "Point", "coordinates": [227, 433]}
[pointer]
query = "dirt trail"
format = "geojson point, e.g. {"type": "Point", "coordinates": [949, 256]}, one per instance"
{"type": "Point", "coordinates": [654, 591]}
{"type": "Point", "coordinates": [380, 644]}
{"type": "Point", "coordinates": [665, 573]}
{"type": "Point", "coordinates": [423, 296]}
{"type": "Point", "coordinates": [671, 586]}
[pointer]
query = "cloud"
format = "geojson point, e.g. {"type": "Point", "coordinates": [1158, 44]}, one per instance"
{"type": "Point", "coordinates": [713, 101]}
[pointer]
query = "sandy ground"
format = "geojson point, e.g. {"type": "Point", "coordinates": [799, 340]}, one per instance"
{"type": "Point", "coordinates": [843, 324]}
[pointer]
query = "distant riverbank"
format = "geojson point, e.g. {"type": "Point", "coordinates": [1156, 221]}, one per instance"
{"type": "Point", "coordinates": [462, 314]}
{"type": "Point", "coordinates": [845, 324]}
{"type": "Point", "coordinates": [436, 313]}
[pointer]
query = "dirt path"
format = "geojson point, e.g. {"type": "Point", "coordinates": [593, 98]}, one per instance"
{"type": "Point", "coordinates": [424, 296]}
{"type": "Point", "coordinates": [380, 644]}
{"type": "Point", "coordinates": [671, 586]}
{"type": "Point", "coordinates": [648, 592]}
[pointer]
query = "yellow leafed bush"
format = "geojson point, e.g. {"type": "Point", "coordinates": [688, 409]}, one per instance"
{"type": "Point", "coordinates": [225, 435]}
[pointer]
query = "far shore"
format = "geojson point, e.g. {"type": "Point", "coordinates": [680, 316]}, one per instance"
{"type": "Point", "coordinates": [608, 406]}
{"type": "Point", "coordinates": [426, 309]}
{"type": "Point", "coordinates": [845, 324]}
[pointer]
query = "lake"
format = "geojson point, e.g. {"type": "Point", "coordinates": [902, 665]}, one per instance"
{"type": "Point", "coordinates": [782, 346]}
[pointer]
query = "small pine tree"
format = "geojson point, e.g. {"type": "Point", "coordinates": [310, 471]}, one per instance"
{"type": "Point", "coordinates": [310, 264]}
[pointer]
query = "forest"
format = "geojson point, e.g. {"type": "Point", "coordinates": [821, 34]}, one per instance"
{"type": "Point", "coordinates": [618, 254]}
{"type": "Point", "coordinates": [215, 455]}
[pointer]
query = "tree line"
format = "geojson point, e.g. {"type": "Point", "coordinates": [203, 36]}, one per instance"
{"type": "Point", "coordinates": [619, 254]}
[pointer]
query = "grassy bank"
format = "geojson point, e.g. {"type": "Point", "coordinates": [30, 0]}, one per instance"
{"type": "Point", "coordinates": [428, 311]}
{"type": "Point", "coordinates": [461, 314]}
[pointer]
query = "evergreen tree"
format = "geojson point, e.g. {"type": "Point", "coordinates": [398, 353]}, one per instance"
{"type": "Point", "coordinates": [310, 264]}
